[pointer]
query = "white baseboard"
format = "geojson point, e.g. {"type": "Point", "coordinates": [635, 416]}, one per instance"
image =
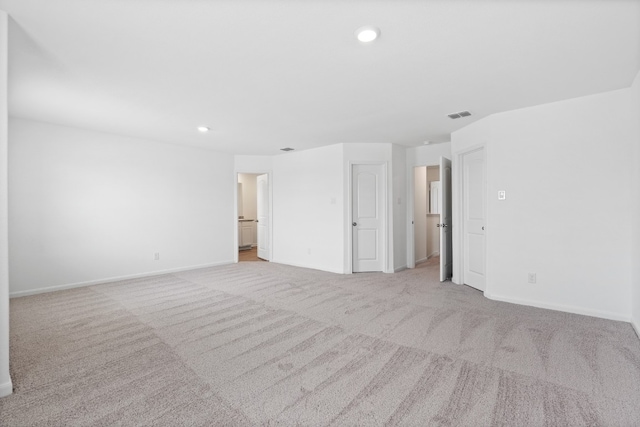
{"type": "Point", "coordinates": [560, 307]}
{"type": "Point", "coordinates": [6, 389]}
{"type": "Point", "coordinates": [436, 253]}
{"type": "Point", "coordinates": [418, 261]}
{"type": "Point", "coordinates": [110, 279]}
{"type": "Point", "coordinates": [404, 267]}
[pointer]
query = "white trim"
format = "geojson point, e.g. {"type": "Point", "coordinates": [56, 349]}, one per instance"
{"type": "Point", "coordinates": [112, 279]}
{"type": "Point", "coordinates": [636, 328]}
{"type": "Point", "coordinates": [561, 307]}
{"type": "Point", "coordinates": [436, 253]}
{"type": "Point", "coordinates": [399, 269]}
{"type": "Point", "coordinates": [421, 260]}
{"type": "Point", "coordinates": [6, 389]}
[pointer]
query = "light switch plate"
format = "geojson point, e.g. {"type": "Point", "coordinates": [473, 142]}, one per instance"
{"type": "Point", "coordinates": [502, 195]}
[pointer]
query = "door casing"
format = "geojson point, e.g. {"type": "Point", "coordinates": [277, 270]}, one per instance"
{"type": "Point", "coordinates": [235, 210]}
{"type": "Point", "coordinates": [349, 216]}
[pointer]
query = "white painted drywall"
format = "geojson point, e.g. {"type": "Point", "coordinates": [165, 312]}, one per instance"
{"type": "Point", "coordinates": [85, 206]}
{"type": "Point", "coordinates": [635, 274]}
{"type": "Point", "coordinates": [253, 164]}
{"type": "Point", "coordinates": [5, 377]}
{"type": "Point", "coordinates": [399, 211]}
{"type": "Point", "coordinates": [420, 203]}
{"type": "Point", "coordinates": [308, 209]}
{"type": "Point", "coordinates": [560, 220]}
{"type": "Point", "coordinates": [427, 155]}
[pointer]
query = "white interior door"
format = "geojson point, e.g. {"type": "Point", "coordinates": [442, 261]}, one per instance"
{"type": "Point", "coordinates": [368, 218]}
{"type": "Point", "coordinates": [444, 204]}
{"type": "Point", "coordinates": [262, 210]}
{"type": "Point", "coordinates": [474, 195]}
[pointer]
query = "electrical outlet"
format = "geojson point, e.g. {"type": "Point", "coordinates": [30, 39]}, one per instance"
{"type": "Point", "coordinates": [532, 277]}
{"type": "Point", "coordinates": [156, 256]}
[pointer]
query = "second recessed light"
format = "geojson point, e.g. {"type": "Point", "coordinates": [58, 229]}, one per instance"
{"type": "Point", "coordinates": [367, 33]}
{"type": "Point", "coordinates": [203, 129]}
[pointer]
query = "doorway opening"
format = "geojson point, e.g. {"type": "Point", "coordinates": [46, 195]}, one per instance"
{"type": "Point", "coordinates": [432, 220]}
{"type": "Point", "coordinates": [253, 214]}
{"type": "Point", "coordinates": [426, 213]}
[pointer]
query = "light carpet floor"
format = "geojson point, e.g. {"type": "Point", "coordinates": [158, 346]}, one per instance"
{"type": "Point", "coordinates": [267, 344]}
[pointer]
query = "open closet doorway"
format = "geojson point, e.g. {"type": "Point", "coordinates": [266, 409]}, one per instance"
{"type": "Point", "coordinates": [432, 216]}
{"type": "Point", "coordinates": [253, 217]}
{"type": "Point", "coordinates": [426, 213]}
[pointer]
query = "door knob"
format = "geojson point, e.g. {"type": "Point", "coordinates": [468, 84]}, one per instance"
{"type": "Point", "coordinates": [444, 225]}
{"type": "Point", "coordinates": [354, 224]}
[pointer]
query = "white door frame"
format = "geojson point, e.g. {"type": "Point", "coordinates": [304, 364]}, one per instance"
{"type": "Point", "coordinates": [458, 214]}
{"type": "Point", "coordinates": [349, 216]}
{"type": "Point", "coordinates": [235, 210]}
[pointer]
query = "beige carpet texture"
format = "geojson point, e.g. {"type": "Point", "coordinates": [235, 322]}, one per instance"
{"type": "Point", "coordinates": [262, 344]}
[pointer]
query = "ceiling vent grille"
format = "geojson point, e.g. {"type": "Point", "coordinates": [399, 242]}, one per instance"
{"type": "Point", "coordinates": [459, 114]}
{"type": "Point", "coordinates": [286, 149]}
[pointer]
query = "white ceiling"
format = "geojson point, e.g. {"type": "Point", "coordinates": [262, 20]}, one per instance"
{"type": "Point", "coordinates": [267, 74]}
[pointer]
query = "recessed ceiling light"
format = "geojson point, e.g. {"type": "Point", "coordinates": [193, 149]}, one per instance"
{"type": "Point", "coordinates": [203, 129]}
{"type": "Point", "coordinates": [367, 34]}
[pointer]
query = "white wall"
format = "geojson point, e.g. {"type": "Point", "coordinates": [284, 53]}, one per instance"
{"type": "Point", "coordinates": [6, 387]}
{"type": "Point", "coordinates": [87, 207]}
{"type": "Point", "coordinates": [570, 224]}
{"type": "Point", "coordinates": [253, 164]}
{"type": "Point", "coordinates": [428, 155]}
{"type": "Point", "coordinates": [635, 277]}
{"type": "Point", "coordinates": [399, 211]}
{"type": "Point", "coordinates": [308, 208]}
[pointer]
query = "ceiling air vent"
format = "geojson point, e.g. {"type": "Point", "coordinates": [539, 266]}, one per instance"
{"type": "Point", "coordinates": [459, 114]}
{"type": "Point", "coordinates": [287, 149]}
